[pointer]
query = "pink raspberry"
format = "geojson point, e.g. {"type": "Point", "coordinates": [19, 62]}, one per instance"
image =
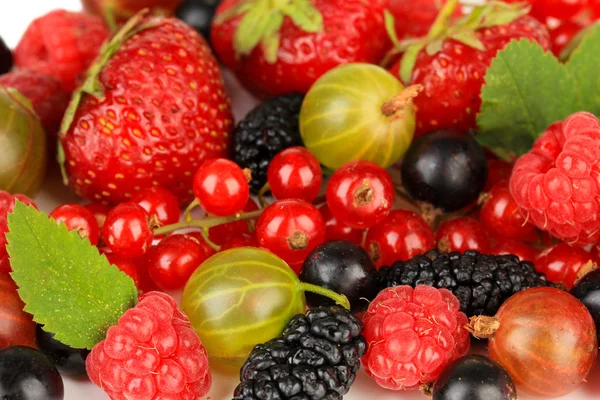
{"type": "Point", "coordinates": [7, 204]}
{"type": "Point", "coordinates": [412, 335]}
{"type": "Point", "coordinates": [557, 183]}
{"type": "Point", "coordinates": [151, 354]}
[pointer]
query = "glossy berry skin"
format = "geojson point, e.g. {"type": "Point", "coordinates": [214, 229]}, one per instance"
{"type": "Point", "coordinates": [587, 290]}
{"type": "Point", "coordinates": [413, 334]}
{"type": "Point", "coordinates": [99, 211]}
{"type": "Point", "coordinates": [240, 240]}
{"type": "Point", "coordinates": [127, 230]}
{"type": "Point", "coordinates": [27, 374]}
{"type": "Point", "coordinates": [221, 187]}
{"type": "Point", "coordinates": [562, 35]}
{"type": "Point", "coordinates": [474, 377]}
{"type": "Point", "coordinates": [79, 219]}
{"type": "Point", "coordinates": [68, 361]}
{"type": "Point", "coordinates": [401, 236]}
{"type": "Point", "coordinates": [295, 173]}
{"type": "Point", "coordinates": [198, 14]}
{"type": "Point", "coordinates": [221, 233]}
{"type": "Point", "coordinates": [461, 234]}
{"type": "Point", "coordinates": [555, 182]}
{"type": "Point", "coordinates": [16, 326]}
{"type": "Point", "coordinates": [291, 229]}
{"type": "Point", "coordinates": [343, 267]}
{"type": "Point", "coordinates": [7, 204]}
{"type": "Point", "coordinates": [561, 9]}
{"type": "Point", "coordinates": [516, 247]}
{"type": "Point", "coordinates": [445, 169]}
{"type": "Point", "coordinates": [6, 58]}
{"type": "Point", "coordinates": [454, 102]}
{"type": "Point", "coordinates": [125, 265]}
{"type": "Point", "coordinates": [546, 341]}
{"type": "Point", "coordinates": [360, 194]}
{"type": "Point", "coordinates": [336, 230]}
{"type": "Point", "coordinates": [502, 218]}
{"type": "Point", "coordinates": [497, 170]}
{"type": "Point", "coordinates": [174, 260]}
{"type": "Point", "coordinates": [163, 112]}
{"type": "Point", "coordinates": [160, 203]}
{"type": "Point", "coordinates": [561, 263]}
{"type": "Point", "coordinates": [198, 237]}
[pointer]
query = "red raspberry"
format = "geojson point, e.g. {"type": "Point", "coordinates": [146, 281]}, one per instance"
{"type": "Point", "coordinates": [61, 43]}
{"type": "Point", "coordinates": [556, 183]}
{"type": "Point", "coordinates": [152, 353]}
{"type": "Point", "coordinates": [46, 94]}
{"type": "Point", "coordinates": [412, 335]}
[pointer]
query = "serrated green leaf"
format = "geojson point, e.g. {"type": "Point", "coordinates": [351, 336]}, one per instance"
{"type": "Point", "coordinates": [65, 283]}
{"type": "Point", "coordinates": [526, 89]}
{"type": "Point", "coordinates": [583, 65]}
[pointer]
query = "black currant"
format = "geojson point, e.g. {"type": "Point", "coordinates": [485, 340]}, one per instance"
{"type": "Point", "coordinates": [69, 361]}
{"type": "Point", "coordinates": [6, 58]}
{"type": "Point", "coordinates": [474, 377]}
{"type": "Point", "coordinates": [27, 374]}
{"type": "Point", "coordinates": [445, 169]}
{"type": "Point", "coordinates": [343, 267]}
{"type": "Point", "coordinates": [587, 290]}
{"type": "Point", "coordinates": [198, 14]}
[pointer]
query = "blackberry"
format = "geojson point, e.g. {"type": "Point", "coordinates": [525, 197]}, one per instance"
{"type": "Point", "coordinates": [268, 129]}
{"type": "Point", "coordinates": [6, 58]}
{"type": "Point", "coordinates": [316, 357]}
{"type": "Point", "coordinates": [481, 282]}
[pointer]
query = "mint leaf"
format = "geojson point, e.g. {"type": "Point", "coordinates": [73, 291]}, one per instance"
{"type": "Point", "coordinates": [583, 65]}
{"type": "Point", "coordinates": [526, 89]}
{"type": "Point", "coordinates": [64, 281]}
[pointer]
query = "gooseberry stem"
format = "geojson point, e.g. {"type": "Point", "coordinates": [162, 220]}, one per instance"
{"type": "Point", "coordinates": [338, 298]}
{"type": "Point", "coordinates": [206, 223]}
{"type": "Point", "coordinates": [402, 101]}
{"type": "Point", "coordinates": [261, 195]}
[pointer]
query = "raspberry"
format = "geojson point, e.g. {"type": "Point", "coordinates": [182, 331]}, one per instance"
{"type": "Point", "coordinates": [61, 43]}
{"type": "Point", "coordinates": [412, 335]}
{"type": "Point", "coordinates": [557, 183]}
{"type": "Point", "coordinates": [152, 353]}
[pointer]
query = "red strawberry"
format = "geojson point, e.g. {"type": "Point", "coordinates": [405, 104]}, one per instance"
{"type": "Point", "coordinates": [413, 18]}
{"type": "Point", "coordinates": [61, 43]}
{"type": "Point", "coordinates": [151, 110]}
{"type": "Point", "coordinates": [46, 94]}
{"type": "Point", "coordinates": [451, 62]}
{"type": "Point", "coordinates": [278, 49]}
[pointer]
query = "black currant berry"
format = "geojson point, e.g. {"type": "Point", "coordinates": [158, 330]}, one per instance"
{"type": "Point", "coordinates": [27, 374]}
{"type": "Point", "coordinates": [474, 377]}
{"type": "Point", "coordinates": [445, 169]}
{"type": "Point", "coordinates": [343, 267]}
{"type": "Point", "coordinates": [587, 290]}
{"type": "Point", "coordinates": [69, 361]}
{"type": "Point", "coordinates": [198, 14]}
{"type": "Point", "coordinates": [6, 58]}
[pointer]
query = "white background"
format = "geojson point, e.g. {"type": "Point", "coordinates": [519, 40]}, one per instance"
{"type": "Point", "coordinates": [14, 18]}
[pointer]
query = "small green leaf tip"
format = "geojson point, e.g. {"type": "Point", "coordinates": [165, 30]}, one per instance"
{"type": "Point", "coordinates": [63, 280]}
{"type": "Point", "coordinates": [262, 20]}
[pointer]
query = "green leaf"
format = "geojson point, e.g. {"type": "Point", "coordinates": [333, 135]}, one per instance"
{"type": "Point", "coordinates": [409, 59]}
{"type": "Point", "coordinates": [65, 283]}
{"type": "Point", "coordinates": [252, 28]}
{"type": "Point", "coordinates": [305, 15]}
{"type": "Point", "coordinates": [470, 39]}
{"type": "Point", "coordinates": [390, 27]}
{"type": "Point", "coordinates": [583, 65]}
{"type": "Point", "coordinates": [526, 89]}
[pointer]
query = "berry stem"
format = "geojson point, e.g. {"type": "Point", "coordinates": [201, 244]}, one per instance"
{"type": "Point", "coordinates": [402, 101]}
{"type": "Point", "coordinates": [109, 16]}
{"type": "Point", "coordinates": [483, 327]}
{"type": "Point", "coordinates": [442, 20]}
{"type": "Point", "coordinates": [261, 195]}
{"type": "Point", "coordinates": [187, 212]}
{"type": "Point", "coordinates": [206, 222]}
{"type": "Point", "coordinates": [338, 298]}
{"type": "Point", "coordinates": [213, 245]}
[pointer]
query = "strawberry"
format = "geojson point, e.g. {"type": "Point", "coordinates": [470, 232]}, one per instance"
{"type": "Point", "coordinates": [451, 61]}
{"type": "Point", "coordinates": [414, 17]}
{"type": "Point", "coordinates": [151, 110]}
{"type": "Point", "coordinates": [282, 46]}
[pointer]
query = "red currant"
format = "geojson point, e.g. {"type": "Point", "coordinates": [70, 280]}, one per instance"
{"type": "Point", "coordinates": [79, 219]}
{"type": "Point", "coordinates": [462, 234]}
{"type": "Point", "coordinates": [498, 170]}
{"type": "Point", "coordinates": [127, 230]}
{"type": "Point", "coordinates": [173, 261]}
{"type": "Point", "coordinates": [99, 211]}
{"type": "Point", "coordinates": [221, 187]}
{"type": "Point", "coordinates": [501, 217]}
{"type": "Point", "coordinates": [291, 229]}
{"type": "Point", "coordinates": [560, 9]}
{"type": "Point", "coordinates": [295, 173]}
{"type": "Point", "coordinates": [561, 263]}
{"type": "Point", "coordinates": [198, 236]}
{"type": "Point", "coordinates": [125, 265]}
{"type": "Point", "coordinates": [220, 233]}
{"type": "Point", "coordinates": [516, 247]}
{"type": "Point", "coordinates": [335, 230]}
{"type": "Point", "coordinates": [160, 203]}
{"type": "Point", "coordinates": [360, 194]}
{"type": "Point", "coordinates": [562, 35]}
{"type": "Point", "coordinates": [401, 236]}
{"type": "Point", "coordinates": [240, 240]}
{"type": "Point", "coordinates": [146, 284]}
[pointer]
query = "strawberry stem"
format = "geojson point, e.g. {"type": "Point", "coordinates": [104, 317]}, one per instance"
{"type": "Point", "coordinates": [442, 21]}
{"type": "Point", "coordinates": [338, 298]}
{"type": "Point", "coordinates": [206, 222]}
